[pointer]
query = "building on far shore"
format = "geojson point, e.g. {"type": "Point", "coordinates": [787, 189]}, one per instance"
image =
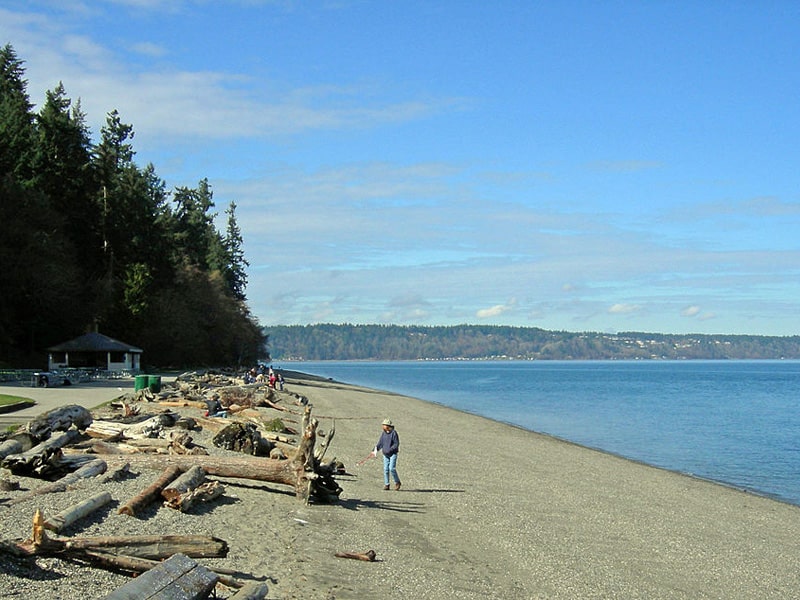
{"type": "Point", "coordinates": [94, 351]}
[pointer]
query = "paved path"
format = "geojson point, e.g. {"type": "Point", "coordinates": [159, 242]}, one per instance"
{"type": "Point", "coordinates": [88, 395]}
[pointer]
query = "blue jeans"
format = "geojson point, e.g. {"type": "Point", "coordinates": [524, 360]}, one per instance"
{"type": "Point", "coordinates": [390, 466]}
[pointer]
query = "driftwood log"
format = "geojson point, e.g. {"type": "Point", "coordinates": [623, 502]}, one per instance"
{"type": "Point", "coordinates": [155, 547]}
{"type": "Point", "coordinates": [287, 472]}
{"type": "Point", "coordinates": [41, 457]}
{"type": "Point", "coordinates": [178, 442]}
{"type": "Point", "coordinates": [188, 480]}
{"type": "Point", "coordinates": [106, 447]}
{"type": "Point", "coordinates": [205, 492]}
{"type": "Point", "coordinates": [368, 556]}
{"type": "Point", "coordinates": [183, 403]}
{"type": "Point", "coordinates": [189, 488]}
{"type": "Point", "coordinates": [114, 431]}
{"type": "Point", "coordinates": [59, 419]}
{"type": "Point", "coordinates": [78, 511]}
{"type": "Point", "coordinates": [10, 447]}
{"type": "Point", "coordinates": [150, 493]}
{"type": "Point", "coordinates": [90, 469]}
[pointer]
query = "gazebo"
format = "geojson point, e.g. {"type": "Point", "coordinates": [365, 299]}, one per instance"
{"type": "Point", "coordinates": [94, 351]}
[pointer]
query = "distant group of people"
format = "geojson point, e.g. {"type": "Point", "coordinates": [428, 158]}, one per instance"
{"type": "Point", "coordinates": [264, 374]}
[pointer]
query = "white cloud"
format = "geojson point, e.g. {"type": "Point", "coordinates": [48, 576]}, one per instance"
{"type": "Point", "coordinates": [496, 310]}
{"type": "Point", "coordinates": [690, 311]}
{"type": "Point", "coordinates": [624, 309]}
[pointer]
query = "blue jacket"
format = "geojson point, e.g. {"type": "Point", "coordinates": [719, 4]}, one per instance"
{"type": "Point", "coordinates": [389, 443]}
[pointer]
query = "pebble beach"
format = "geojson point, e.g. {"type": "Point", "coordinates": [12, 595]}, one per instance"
{"type": "Point", "coordinates": [486, 510]}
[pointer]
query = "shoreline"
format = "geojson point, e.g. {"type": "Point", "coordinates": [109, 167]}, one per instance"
{"type": "Point", "coordinates": [486, 510]}
{"type": "Point", "coordinates": [711, 480]}
{"type": "Point", "coordinates": [729, 425]}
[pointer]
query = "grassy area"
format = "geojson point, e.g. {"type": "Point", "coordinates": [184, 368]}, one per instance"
{"type": "Point", "coordinates": [10, 402]}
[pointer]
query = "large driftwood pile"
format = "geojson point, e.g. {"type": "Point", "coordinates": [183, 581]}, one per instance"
{"type": "Point", "coordinates": [142, 432]}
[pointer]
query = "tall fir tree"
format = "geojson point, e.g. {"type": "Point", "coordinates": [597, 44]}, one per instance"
{"type": "Point", "coordinates": [64, 172]}
{"type": "Point", "coordinates": [235, 272]}
{"type": "Point", "coordinates": [17, 133]}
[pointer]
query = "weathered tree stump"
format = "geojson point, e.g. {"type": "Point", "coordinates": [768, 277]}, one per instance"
{"type": "Point", "coordinates": [244, 438]}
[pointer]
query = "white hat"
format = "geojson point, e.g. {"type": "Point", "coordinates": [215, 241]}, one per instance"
{"type": "Point", "coordinates": [387, 422]}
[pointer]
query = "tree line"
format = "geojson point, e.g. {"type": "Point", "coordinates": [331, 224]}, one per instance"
{"type": "Point", "coordinates": [89, 238]}
{"type": "Point", "coordinates": [473, 342]}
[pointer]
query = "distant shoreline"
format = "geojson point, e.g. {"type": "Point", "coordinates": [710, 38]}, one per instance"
{"type": "Point", "coordinates": [496, 342]}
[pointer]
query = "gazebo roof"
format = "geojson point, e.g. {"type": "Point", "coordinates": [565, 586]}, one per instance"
{"type": "Point", "coordinates": [94, 342]}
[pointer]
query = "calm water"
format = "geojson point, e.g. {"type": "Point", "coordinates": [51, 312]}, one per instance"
{"type": "Point", "coordinates": [735, 422]}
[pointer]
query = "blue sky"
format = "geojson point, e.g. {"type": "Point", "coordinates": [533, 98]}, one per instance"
{"type": "Point", "coordinates": [583, 166]}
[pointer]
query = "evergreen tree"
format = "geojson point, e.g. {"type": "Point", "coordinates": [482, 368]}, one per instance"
{"type": "Point", "coordinates": [39, 282]}
{"type": "Point", "coordinates": [64, 173]}
{"type": "Point", "coordinates": [17, 134]}
{"type": "Point", "coordinates": [230, 259]}
{"type": "Point", "coordinates": [195, 234]}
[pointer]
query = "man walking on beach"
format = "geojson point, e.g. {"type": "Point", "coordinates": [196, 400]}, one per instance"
{"type": "Point", "coordinates": [389, 445]}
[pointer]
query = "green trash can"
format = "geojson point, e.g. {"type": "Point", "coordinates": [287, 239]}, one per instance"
{"type": "Point", "coordinates": [154, 383]}
{"type": "Point", "coordinates": [140, 382]}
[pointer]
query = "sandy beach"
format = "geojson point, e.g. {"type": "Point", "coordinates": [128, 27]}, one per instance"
{"type": "Point", "coordinates": [486, 510]}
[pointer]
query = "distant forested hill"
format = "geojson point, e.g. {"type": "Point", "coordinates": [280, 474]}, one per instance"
{"type": "Point", "coordinates": [395, 342]}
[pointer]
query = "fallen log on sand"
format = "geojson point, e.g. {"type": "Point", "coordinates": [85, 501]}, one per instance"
{"type": "Point", "coordinates": [90, 469]}
{"type": "Point", "coordinates": [10, 447]}
{"type": "Point", "coordinates": [205, 492]}
{"type": "Point", "coordinates": [59, 419]}
{"type": "Point", "coordinates": [155, 547]}
{"type": "Point", "coordinates": [189, 480]}
{"type": "Point", "coordinates": [368, 556]}
{"type": "Point", "coordinates": [40, 456]}
{"type": "Point", "coordinates": [190, 487]}
{"type": "Point", "coordinates": [78, 511]}
{"type": "Point", "coordinates": [114, 431]}
{"type": "Point", "coordinates": [152, 492]}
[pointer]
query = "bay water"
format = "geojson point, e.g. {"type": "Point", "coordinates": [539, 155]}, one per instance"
{"type": "Point", "coordinates": [734, 422]}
